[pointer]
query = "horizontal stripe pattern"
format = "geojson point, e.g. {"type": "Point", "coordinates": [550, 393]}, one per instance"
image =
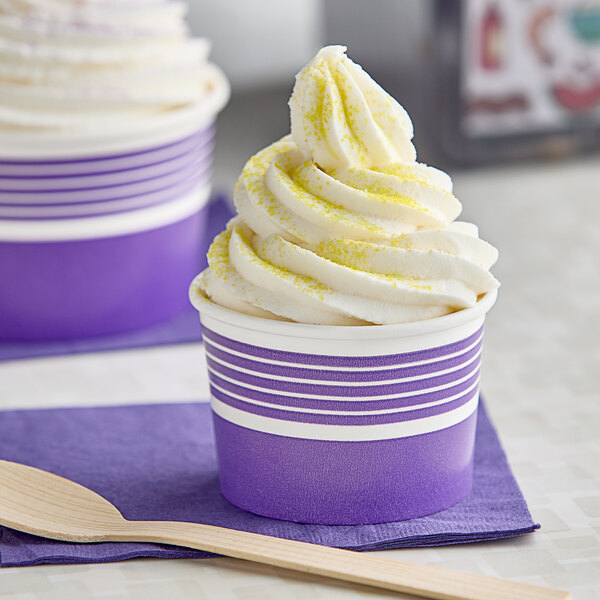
{"type": "Point", "coordinates": [136, 181]}
{"type": "Point", "coordinates": [360, 433]}
{"type": "Point", "coordinates": [135, 221]}
{"type": "Point", "coordinates": [106, 192]}
{"type": "Point", "coordinates": [345, 403]}
{"type": "Point", "coordinates": [110, 207]}
{"type": "Point", "coordinates": [339, 362]}
{"type": "Point", "coordinates": [219, 356]}
{"type": "Point", "coordinates": [196, 169]}
{"type": "Point", "coordinates": [303, 395]}
{"type": "Point", "coordinates": [105, 176]}
{"type": "Point", "coordinates": [329, 389]}
{"type": "Point", "coordinates": [335, 418]}
{"type": "Point", "coordinates": [145, 156]}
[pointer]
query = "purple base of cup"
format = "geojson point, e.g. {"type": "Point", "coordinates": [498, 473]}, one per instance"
{"type": "Point", "coordinates": [348, 483]}
{"type": "Point", "coordinates": [84, 288]}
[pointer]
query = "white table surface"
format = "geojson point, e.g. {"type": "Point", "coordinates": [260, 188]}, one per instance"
{"type": "Point", "coordinates": [540, 379]}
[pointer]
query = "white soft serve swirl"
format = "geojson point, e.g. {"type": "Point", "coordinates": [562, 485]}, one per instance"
{"type": "Point", "coordinates": [337, 224]}
{"type": "Point", "coordinates": [80, 65]}
{"type": "Point", "coordinates": [340, 117]}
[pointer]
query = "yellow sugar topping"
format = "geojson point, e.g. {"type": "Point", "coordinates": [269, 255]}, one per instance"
{"type": "Point", "coordinates": [218, 255]}
{"type": "Point", "coordinates": [295, 182]}
{"type": "Point", "coordinates": [355, 255]}
{"type": "Point", "coordinates": [305, 284]}
{"type": "Point", "coordinates": [370, 182]}
{"type": "Point", "coordinates": [408, 172]}
{"type": "Point", "coordinates": [351, 114]}
{"type": "Point", "coordinates": [401, 241]}
{"type": "Point", "coordinates": [315, 117]}
{"type": "Point", "coordinates": [253, 178]}
{"type": "Point", "coordinates": [404, 171]}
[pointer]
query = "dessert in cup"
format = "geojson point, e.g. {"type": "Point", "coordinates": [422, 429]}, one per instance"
{"type": "Point", "coordinates": [342, 314]}
{"type": "Point", "coordinates": [107, 117]}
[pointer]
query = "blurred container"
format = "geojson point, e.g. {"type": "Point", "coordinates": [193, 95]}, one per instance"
{"type": "Point", "coordinates": [343, 425]}
{"type": "Point", "coordinates": [101, 234]}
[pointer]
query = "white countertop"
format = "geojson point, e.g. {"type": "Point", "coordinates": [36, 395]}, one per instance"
{"type": "Point", "coordinates": [540, 379]}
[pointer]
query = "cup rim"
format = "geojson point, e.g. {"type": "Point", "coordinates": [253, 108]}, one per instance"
{"type": "Point", "coordinates": [344, 332]}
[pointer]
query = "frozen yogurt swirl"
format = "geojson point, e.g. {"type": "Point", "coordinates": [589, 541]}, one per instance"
{"type": "Point", "coordinates": [340, 117]}
{"type": "Point", "coordinates": [360, 241]}
{"type": "Point", "coordinates": [76, 65]}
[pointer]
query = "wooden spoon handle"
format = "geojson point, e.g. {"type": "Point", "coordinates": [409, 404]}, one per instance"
{"type": "Point", "coordinates": [420, 580]}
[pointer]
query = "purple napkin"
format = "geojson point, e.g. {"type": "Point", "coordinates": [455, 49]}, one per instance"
{"type": "Point", "coordinates": [183, 328]}
{"type": "Point", "coordinates": [158, 462]}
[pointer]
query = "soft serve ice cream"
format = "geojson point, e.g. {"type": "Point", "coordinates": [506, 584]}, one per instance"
{"type": "Point", "coordinates": [338, 224]}
{"type": "Point", "coordinates": [96, 65]}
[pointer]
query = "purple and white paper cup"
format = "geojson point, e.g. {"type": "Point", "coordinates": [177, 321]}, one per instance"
{"type": "Point", "coordinates": [83, 277]}
{"type": "Point", "coordinates": [107, 245]}
{"type": "Point", "coordinates": [344, 425]}
{"type": "Point", "coordinates": [101, 231]}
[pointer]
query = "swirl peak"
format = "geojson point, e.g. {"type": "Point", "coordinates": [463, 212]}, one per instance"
{"type": "Point", "coordinates": [340, 117]}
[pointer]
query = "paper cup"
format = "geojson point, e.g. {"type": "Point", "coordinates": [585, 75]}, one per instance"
{"type": "Point", "coordinates": [101, 231]}
{"type": "Point", "coordinates": [102, 171]}
{"type": "Point", "coordinates": [114, 189]}
{"type": "Point", "coordinates": [75, 278]}
{"type": "Point", "coordinates": [343, 425]}
{"type": "Point", "coordinates": [156, 192]}
{"type": "Point", "coordinates": [73, 165]}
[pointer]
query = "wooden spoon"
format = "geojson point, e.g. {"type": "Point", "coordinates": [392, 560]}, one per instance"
{"type": "Point", "coordinates": [40, 503]}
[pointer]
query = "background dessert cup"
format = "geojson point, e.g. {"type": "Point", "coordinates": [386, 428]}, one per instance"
{"type": "Point", "coordinates": [96, 276]}
{"type": "Point", "coordinates": [95, 243]}
{"type": "Point", "coordinates": [343, 425]}
{"type": "Point", "coordinates": [107, 116]}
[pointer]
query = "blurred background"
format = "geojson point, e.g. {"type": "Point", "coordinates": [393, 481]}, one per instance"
{"type": "Point", "coordinates": [504, 96]}
{"type": "Point", "coordinates": [484, 81]}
